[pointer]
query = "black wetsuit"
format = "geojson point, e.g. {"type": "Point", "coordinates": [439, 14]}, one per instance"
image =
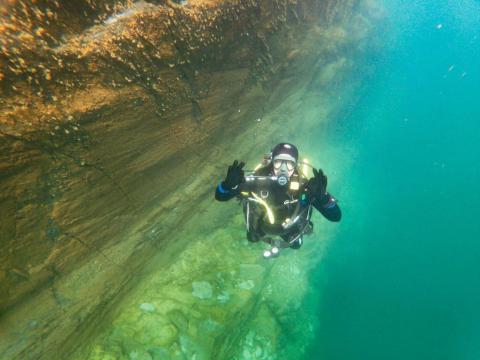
{"type": "Point", "coordinates": [327, 206]}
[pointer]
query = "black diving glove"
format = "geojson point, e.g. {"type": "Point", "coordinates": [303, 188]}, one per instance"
{"type": "Point", "coordinates": [317, 186]}
{"type": "Point", "coordinates": [235, 175]}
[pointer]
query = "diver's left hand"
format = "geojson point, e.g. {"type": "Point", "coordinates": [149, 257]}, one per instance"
{"type": "Point", "coordinates": [317, 186]}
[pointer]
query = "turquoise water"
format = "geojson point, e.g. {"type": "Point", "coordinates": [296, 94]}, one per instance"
{"type": "Point", "coordinates": [401, 280]}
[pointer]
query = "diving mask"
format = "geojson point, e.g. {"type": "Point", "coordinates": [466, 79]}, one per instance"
{"type": "Point", "coordinates": [283, 167]}
{"type": "Point", "coordinates": [289, 164]}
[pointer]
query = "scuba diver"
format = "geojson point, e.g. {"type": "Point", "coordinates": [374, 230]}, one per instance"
{"type": "Point", "coordinates": [277, 198]}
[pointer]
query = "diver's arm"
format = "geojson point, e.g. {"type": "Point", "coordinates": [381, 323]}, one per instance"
{"type": "Point", "coordinates": [223, 193]}
{"type": "Point", "coordinates": [229, 188]}
{"type": "Point", "coordinates": [322, 200]}
{"type": "Point", "coordinates": [328, 207]}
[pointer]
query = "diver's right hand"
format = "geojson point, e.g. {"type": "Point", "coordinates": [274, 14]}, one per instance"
{"type": "Point", "coordinates": [235, 175]}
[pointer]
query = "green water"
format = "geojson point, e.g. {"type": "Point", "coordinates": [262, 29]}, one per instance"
{"type": "Point", "coordinates": [398, 277]}
{"type": "Point", "coordinates": [401, 279]}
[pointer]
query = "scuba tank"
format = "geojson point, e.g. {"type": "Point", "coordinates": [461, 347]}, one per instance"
{"type": "Point", "coordinates": [267, 159]}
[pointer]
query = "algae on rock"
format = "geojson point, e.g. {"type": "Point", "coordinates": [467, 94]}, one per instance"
{"type": "Point", "coordinates": [103, 105]}
{"type": "Point", "coordinates": [265, 299]}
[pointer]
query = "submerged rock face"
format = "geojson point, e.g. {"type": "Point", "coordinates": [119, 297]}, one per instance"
{"type": "Point", "coordinates": [113, 117]}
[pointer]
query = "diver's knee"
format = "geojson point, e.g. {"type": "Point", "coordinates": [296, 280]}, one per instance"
{"type": "Point", "coordinates": [297, 244]}
{"type": "Point", "coordinates": [252, 237]}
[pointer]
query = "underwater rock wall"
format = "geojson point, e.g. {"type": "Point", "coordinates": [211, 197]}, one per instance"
{"type": "Point", "coordinates": [117, 119]}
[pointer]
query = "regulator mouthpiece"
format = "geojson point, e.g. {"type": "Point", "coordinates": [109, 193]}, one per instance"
{"type": "Point", "coordinates": [282, 180]}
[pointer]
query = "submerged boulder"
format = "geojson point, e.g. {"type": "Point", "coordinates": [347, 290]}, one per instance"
{"type": "Point", "coordinates": [202, 290]}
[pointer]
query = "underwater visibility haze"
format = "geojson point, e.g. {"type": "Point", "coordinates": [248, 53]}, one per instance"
{"type": "Point", "coordinates": [117, 126]}
{"type": "Point", "coordinates": [400, 279]}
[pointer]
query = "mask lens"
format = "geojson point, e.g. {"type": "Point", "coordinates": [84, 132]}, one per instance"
{"type": "Point", "coordinates": [277, 164]}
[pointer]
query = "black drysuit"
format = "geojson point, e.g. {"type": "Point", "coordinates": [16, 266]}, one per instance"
{"type": "Point", "coordinates": [325, 204]}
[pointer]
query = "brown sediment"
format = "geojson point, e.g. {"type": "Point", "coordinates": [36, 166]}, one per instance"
{"type": "Point", "coordinates": [106, 109]}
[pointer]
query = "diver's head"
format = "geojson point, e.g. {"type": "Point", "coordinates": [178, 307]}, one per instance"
{"type": "Point", "coordinates": [284, 160]}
